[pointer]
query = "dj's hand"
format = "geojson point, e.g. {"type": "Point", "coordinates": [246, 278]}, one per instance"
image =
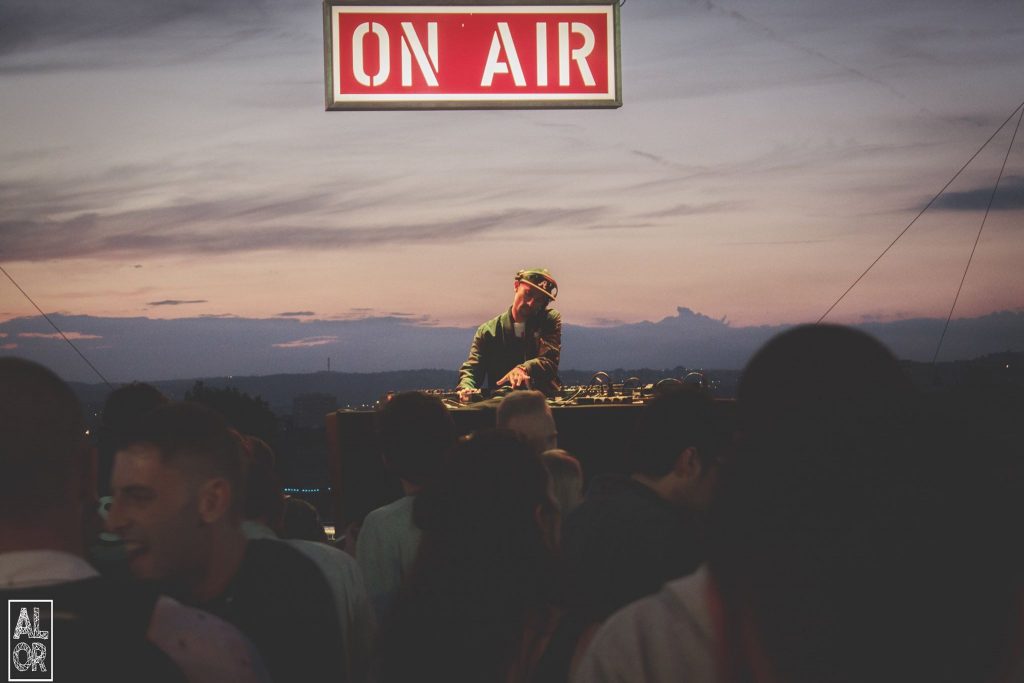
{"type": "Point", "coordinates": [517, 377]}
{"type": "Point", "coordinates": [466, 395]}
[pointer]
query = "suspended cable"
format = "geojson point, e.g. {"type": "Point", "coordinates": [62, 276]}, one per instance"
{"type": "Point", "coordinates": [54, 326]}
{"type": "Point", "coordinates": [978, 238]}
{"type": "Point", "coordinates": [921, 213]}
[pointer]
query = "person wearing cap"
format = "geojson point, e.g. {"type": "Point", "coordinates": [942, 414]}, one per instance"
{"type": "Point", "coordinates": [521, 347]}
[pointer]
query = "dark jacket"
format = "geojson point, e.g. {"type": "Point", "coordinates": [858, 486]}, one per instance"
{"type": "Point", "coordinates": [281, 601]}
{"type": "Point", "coordinates": [101, 626]}
{"type": "Point", "coordinates": [623, 542]}
{"type": "Point", "coordinates": [496, 350]}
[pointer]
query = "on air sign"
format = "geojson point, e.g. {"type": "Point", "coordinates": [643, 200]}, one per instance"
{"type": "Point", "coordinates": [471, 56]}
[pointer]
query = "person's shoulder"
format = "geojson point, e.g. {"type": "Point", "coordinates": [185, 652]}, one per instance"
{"type": "Point", "coordinates": [491, 326]}
{"type": "Point", "coordinates": [271, 559]}
{"type": "Point", "coordinates": [325, 555]}
{"type": "Point", "coordinates": [677, 615]}
{"type": "Point", "coordinates": [548, 318]}
{"type": "Point", "coordinates": [688, 597]}
{"type": "Point", "coordinates": [614, 526]}
{"type": "Point", "coordinates": [278, 578]}
{"type": "Point", "coordinates": [669, 631]}
{"type": "Point", "coordinates": [254, 530]}
{"type": "Point", "coordinates": [604, 485]}
{"type": "Point", "coordinates": [386, 519]}
{"type": "Point", "coordinates": [203, 646]}
{"type": "Point", "coordinates": [611, 494]}
{"type": "Point", "coordinates": [341, 570]}
{"type": "Point", "coordinates": [601, 492]}
{"type": "Point", "coordinates": [401, 507]}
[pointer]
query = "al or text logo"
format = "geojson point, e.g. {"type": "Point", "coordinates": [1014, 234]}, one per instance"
{"type": "Point", "coordinates": [30, 640]}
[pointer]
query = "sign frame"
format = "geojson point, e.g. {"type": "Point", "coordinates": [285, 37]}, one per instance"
{"type": "Point", "coordinates": [411, 103]}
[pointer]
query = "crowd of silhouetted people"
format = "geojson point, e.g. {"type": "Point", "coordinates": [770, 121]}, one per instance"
{"type": "Point", "coordinates": [842, 526]}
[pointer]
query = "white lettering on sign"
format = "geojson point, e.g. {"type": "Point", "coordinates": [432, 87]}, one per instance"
{"type": "Point", "coordinates": [383, 52]}
{"type": "Point", "coordinates": [502, 42]}
{"type": "Point", "coordinates": [542, 53]}
{"type": "Point", "coordinates": [494, 66]}
{"type": "Point", "coordinates": [411, 43]}
{"type": "Point", "coordinates": [578, 55]}
{"type": "Point", "coordinates": [426, 60]}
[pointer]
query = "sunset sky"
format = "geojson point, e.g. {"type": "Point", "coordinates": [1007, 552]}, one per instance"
{"type": "Point", "coordinates": [173, 159]}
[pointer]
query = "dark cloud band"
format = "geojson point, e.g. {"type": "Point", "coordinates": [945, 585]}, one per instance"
{"type": "Point", "coordinates": [1009, 197]}
{"type": "Point", "coordinates": [176, 302]}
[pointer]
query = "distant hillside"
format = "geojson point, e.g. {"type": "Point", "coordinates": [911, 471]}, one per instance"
{"type": "Point", "coordinates": [350, 388]}
{"type": "Point", "coordinates": [142, 348]}
{"type": "Point", "coordinates": [358, 389]}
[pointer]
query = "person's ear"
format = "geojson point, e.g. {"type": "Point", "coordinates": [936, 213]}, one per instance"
{"type": "Point", "coordinates": [215, 497]}
{"type": "Point", "coordinates": [688, 464]}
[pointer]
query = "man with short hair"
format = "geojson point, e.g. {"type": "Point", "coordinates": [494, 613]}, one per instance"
{"type": "Point", "coordinates": [177, 487]}
{"type": "Point", "coordinates": [47, 495]}
{"type": "Point", "coordinates": [521, 347]}
{"type": "Point", "coordinates": [633, 533]}
{"type": "Point", "coordinates": [528, 414]}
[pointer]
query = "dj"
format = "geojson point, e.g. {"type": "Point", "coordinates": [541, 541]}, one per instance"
{"type": "Point", "coordinates": [521, 346]}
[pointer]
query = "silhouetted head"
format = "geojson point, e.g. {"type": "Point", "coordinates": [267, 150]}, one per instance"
{"type": "Point", "coordinates": [845, 535]}
{"type": "Point", "coordinates": [416, 433]}
{"type": "Point", "coordinates": [492, 503]}
{"type": "Point", "coordinates": [122, 411]}
{"type": "Point", "coordinates": [44, 454]}
{"type": "Point", "coordinates": [264, 500]}
{"type": "Point", "coordinates": [679, 417]}
{"type": "Point", "coordinates": [822, 382]}
{"type": "Point", "coordinates": [680, 437]}
{"type": "Point", "coordinates": [126, 405]}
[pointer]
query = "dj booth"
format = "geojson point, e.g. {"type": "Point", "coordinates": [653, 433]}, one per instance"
{"type": "Point", "coordinates": [599, 434]}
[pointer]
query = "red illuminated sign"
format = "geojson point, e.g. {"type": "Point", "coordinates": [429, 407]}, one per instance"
{"type": "Point", "coordinates": [471, 57]}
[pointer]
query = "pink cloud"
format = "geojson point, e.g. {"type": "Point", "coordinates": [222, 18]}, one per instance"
{"type": "Point", "coordinates": [307, 342]}
{"type": "Point", "coordinates": [73, 336]}
{"type": "Point", "coordinates": [8, 347]}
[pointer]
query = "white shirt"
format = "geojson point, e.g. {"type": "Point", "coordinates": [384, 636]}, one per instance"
{"type": "Point", "coordinates": [386, 548]}
{"type": "Point", "coordinates": [663, 638]}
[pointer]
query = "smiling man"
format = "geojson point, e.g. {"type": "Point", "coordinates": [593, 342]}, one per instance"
{"type": "Point", "coordinates": [520, 347]}
{"type": "Point", "coordinates": [177, 504]}
{"type": "Point", "coordinates": [107, 630]}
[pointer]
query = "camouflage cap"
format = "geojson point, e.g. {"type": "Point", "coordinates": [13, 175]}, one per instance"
{"type": "Point", "coordinates": [540, 279]}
